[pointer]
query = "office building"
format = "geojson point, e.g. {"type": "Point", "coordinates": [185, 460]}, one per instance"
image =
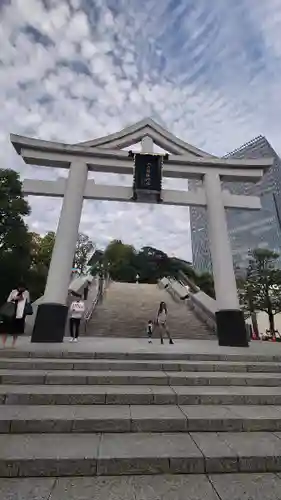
{"type": "Point", "coordinates": [247, 229]}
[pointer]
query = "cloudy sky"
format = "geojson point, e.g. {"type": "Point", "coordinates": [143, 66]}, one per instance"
{"type": "Point", "coordinates": [73, 70]}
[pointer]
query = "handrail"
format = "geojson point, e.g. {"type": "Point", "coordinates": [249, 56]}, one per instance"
{"type": "Point", "coordinates": [203, 306]}
{"type": "Point", "coordinates": [90, 310]}
{"type": "Point", "coordinates": [102, 286]}
{"type": "Point", "coordinates": [187, 281]}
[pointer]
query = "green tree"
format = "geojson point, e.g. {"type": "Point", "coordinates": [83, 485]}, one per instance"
{"type": "Point", "coordinates": [117, 251]}
{"type": "Point", "coordinates": [15, 241]}
{"type": "Point", "coordinates": [41, 254]}
{"type": "Point", "coordinates": [46, 249]}
{"type": "Point", "coordinates": [84, 249]}
{"type": "Point", "coordinates": [124, 263]}
{"type": "Point", "coordinates": [120, 260]}
{"type": "Point", "coordinates": [262, 287]}
{"type": "Point", "coordinates": [205, 282]}
{"type": "Point", "coordinates": [245, 292]}
{"type": "Point", "coordinates": [152, 264]}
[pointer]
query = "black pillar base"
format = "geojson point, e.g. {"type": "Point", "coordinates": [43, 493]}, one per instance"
{"type": "Point", "coordinates": [231, 328]}
{"type": "Point", "coordinates": [49, 323]}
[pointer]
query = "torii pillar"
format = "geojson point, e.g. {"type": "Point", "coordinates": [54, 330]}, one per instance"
{"type": "Point", "coordinates": [51, 316]}
{"type": "Point", "coordinates": [231, 326]}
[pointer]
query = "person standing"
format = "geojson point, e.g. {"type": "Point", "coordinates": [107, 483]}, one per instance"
{"type": "Point", "coordinates": [161, 322]}
{"type": "Point", "coordinates": [15, 324]}
{"type": "Point", "coordinates": [77, 310]}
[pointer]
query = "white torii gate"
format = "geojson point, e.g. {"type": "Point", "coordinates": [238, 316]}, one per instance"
{"type": "Point", "coordinates": [105, 155]}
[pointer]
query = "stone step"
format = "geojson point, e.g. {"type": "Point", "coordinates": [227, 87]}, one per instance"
{"type": "Point", "coordinates": [119, 377]}
{"type": "Point", "coordinates": [137, 395]}
{"type": "Point", "coordinates": [175, 353]}
{"type": "Point", "coordinates": [111, 318]}
{"type": "Point", "coordinates": [130, 330]}
{"type": "Point", "coordinates": [80, 454]}
{"type": "Point", "coordinates": [236, 486]}
{"type": "Point", "coordinates": [19, 419]}
{"type": "Point", "coordinates": [86, 395]}
{"type": "Point", "coordinates": [137, 365]}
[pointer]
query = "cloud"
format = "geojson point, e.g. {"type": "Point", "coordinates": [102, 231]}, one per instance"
{"type": "Point", "coordinates": [74, 70]}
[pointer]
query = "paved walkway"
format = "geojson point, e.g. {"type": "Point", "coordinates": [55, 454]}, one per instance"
{"type": "Point", "coordinates": [135, 345]}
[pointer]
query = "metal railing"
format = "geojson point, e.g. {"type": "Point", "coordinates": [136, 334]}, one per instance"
{"type": "Point", "coordinates": [102, 286]}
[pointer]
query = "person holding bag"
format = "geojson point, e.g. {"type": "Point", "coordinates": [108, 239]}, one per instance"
{"type": "Point", "coordinates": [77, 311]}
{"type": "Point", "coordinates": [14, 312]}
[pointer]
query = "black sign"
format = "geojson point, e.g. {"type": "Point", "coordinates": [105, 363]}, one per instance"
{"type": "Point", "coordinates": [148, 172]}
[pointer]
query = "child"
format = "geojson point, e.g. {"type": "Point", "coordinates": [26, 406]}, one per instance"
{"type": "Point", "coordinates": [149, 330]}
{"type": "Point", "coordinates": [77, 310]}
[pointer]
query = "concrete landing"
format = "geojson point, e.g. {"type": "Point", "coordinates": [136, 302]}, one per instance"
{"type": "Point", "coordinates": [123, 347]}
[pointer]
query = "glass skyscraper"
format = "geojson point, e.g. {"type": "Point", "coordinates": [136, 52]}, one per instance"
{"type": "Point", "coordinates": [247, 229]}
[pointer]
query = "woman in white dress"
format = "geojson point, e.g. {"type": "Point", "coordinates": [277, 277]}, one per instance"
{"type": "Point", "coordinates": [162, 322]}
{"type": "Point", "coordinates": [15, 325]}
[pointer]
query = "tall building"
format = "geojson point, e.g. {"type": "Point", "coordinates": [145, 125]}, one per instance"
{"type": "Point", "coordinates": [247, 229]}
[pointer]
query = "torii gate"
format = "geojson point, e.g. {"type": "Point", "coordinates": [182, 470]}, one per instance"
{"type": "Point", "coordinates": [105, 155]}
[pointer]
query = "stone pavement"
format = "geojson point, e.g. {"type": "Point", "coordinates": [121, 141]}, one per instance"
{"type": "Point", "coordinates": [118, 418]}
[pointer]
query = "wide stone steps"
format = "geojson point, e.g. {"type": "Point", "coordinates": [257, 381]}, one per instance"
{"type": "Point", "coordinates": [138, 395]}
{"type": "Point", "coordinates": [20, 419]}
{"type": "Point", "coordinates": [80, 454]}
{"type": "Point", "coordinates": [138, 365]}
{"type": "Point", "coordinates": [145, 353]}
{"type": "Point", "coordinates": [65, 411]}
{"type": "Point", "coordinates": [119, 377]}
{"type": "Point", "coordinates": [127, 307]}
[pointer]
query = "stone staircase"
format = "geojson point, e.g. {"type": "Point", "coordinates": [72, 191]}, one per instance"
{"type": "Point", "coordinates": [127, 307]}
{"type": "Point", "coordinates": [75, 412]}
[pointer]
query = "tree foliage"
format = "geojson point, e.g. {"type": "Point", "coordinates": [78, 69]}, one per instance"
{"type": "Point", "coordinates": [120, 260]}
{"type": "Point", "coordinates": [124, 263]}
{"type": "Point", "coordinates": [12, 209]}
{"type": "Point", "coordinates": [41, 254]}
{"type": "Point", "coordinates": [26, 256]}
{"type": "Point", "coordinates": [261, 290]}
{"type": "Point", "coordinates": [84, 249]}
{"type": "Point", "coordinates": [14, 237]}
